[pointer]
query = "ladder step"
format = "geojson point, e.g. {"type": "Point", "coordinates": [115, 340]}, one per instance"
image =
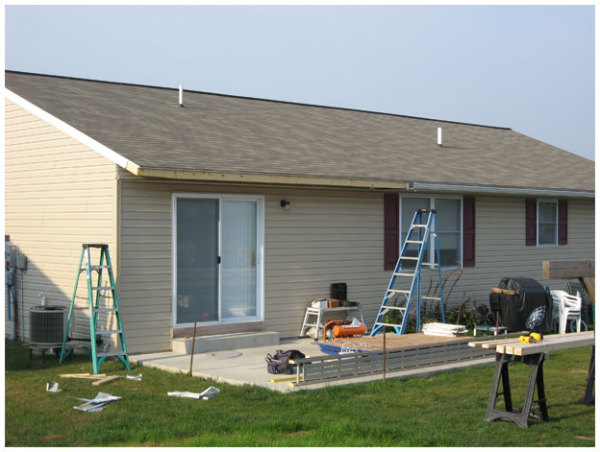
{"type": "Point", "coordinates": [414, 241]}
{"type": "Point", "coordinates": [94, 245]}
{"type": "Point", "coordinates": [387, 324]}
{"type": "Point", "coordinates": [106, 310]}
{"type": "Point", "coordinates": [96, 267]}
{"type": "Point", "coordinates": [103, 288]}
{"type": "Point", "coordinates": [397, 308]}
{"type": "Point", "coordinates": [99, 355]}
{"type": "Point", "coordinates": [431, 264]}
{"type": "Point", "coordinates": [406, 292]}
{"type": "Point", "coordinates": [432, 298]}
{"type": "Point", "coordinates": [410, 258]}
{"type": "Point", "coordinates": [418, 226]}
{"type": "Point", "coordinates": [108, 332]}
{"type": "Point", "coordinates": [404, 274]}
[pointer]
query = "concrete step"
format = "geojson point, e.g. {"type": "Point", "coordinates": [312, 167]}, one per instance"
{"type": "Point", "coordinates": [221, 342]}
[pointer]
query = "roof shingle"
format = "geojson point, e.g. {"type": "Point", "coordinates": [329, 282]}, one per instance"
{"type": "Point", "coordinates": [229, 134]}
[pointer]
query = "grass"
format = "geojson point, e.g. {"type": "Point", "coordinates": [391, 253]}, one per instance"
{"type": "Point", "coordinates": [444, 410]}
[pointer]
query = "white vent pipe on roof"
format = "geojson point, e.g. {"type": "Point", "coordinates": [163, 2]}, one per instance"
{"type": "Point", "coordinates": [181, 95]}
{"type": "Point", "coordinates": [439, 136]}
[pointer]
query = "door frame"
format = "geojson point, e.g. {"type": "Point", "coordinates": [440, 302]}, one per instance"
{"type": "Point", "coordinates": [260, 246]}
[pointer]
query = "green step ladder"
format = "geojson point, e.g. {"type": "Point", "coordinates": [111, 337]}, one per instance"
{"type": "Point", "coordinates": [418, 234]}
{"type": "Point", "coordinates": [95, 308]}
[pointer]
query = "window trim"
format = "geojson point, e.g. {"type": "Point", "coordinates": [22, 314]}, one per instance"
{"type": "Point", "coordinates": [537, 223]}
{"type": "Point", "coordinates": [432, 198]}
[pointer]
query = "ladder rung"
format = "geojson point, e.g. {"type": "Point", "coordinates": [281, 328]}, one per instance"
{"type": "Point", "coordinates": [98, 267]}
{"type": "Point", "coordinates": [414, 241]}
{"type": "Point", "coordinates": [387, 324]}
{"type": "Point", "coordinates": [105, 309]}
{"type": "Point", "coordinates": [399, 291]}
{"type": "Point", "coordinates": [419, 226]}
{"type": "Point", "coordinates": [108, 332]}
{"type": "Point", "coordinates": [404, 274]}
{"type": "Point", "coordinates": [432, 298]}
{"type": "Point", "coordinates": [409, 258]}
{"type": "Point", "coordinates": [102, 288]}
{"type": "Point", "coordinates": [111, 354]}
{"type": "Point", "coordinates": [431, 264]}
{"type": "Point", "coordinates": [397, 308]}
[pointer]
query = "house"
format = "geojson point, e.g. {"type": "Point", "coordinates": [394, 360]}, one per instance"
{"type": "Point", "coordinates": [236, 212]}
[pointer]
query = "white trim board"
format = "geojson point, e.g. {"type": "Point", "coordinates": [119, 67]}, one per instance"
{"type": "Point", "coordinates": [69, 130]}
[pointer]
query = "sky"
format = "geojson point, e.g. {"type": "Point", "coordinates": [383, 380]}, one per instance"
{"type": "Point", "coordinates": [530, 68]}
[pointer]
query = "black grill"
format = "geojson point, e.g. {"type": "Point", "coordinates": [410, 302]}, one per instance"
{"type": "Point", "coordinates": [515, 309]}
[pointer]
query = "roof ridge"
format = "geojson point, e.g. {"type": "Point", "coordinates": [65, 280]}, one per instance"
{"type": "Point", "coordinates": [235, 96]}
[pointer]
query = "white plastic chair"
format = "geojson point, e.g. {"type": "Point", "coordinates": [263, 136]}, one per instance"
{"type": "Point", "coordinates": [556, 312]}
{"type": "Point", "coordinates": [569, 308]}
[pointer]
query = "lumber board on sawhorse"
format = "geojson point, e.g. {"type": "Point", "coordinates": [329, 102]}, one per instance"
{"type": "Point", "coordinates": [531, 354]}
{"type": "Point", "coordinates": [549, 343]}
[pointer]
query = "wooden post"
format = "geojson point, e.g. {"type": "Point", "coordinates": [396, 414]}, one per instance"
{"type": "Point", "coordinates": [384, 351]}
{"type": "Point", "coordinates": [583, 270]}
{"type": "Point", "coordinates": [192, 355]}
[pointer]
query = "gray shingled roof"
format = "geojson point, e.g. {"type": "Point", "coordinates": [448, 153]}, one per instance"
{"type": "Point", "coordinates": [229, 134]}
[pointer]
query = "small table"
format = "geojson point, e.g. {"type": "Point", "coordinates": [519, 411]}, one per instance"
{"type": "Point", "coordinates": [319, 312]}
{"type": "Point", "coordinates": [489, 328]}
{"type": "Point", "coordinates": [511, 350]}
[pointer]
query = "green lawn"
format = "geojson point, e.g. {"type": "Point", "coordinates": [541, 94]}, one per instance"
{"type": "Point", "coordinates": [443, 410]}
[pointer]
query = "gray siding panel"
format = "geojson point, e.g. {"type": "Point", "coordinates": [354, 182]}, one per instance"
{"type": "Point", "coordinates": [327, 236]}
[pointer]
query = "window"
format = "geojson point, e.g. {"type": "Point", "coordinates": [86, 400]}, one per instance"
{"type": "Point", "coordinates": [546, 222]}
{"type": "Point", "coordinates": [449, 222]}
{"type": "Point", "coordinates": [547, 226]}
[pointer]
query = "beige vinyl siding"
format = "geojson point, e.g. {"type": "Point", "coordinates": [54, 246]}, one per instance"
{"type": "Point", "coordinates": [501, 251]}
{"type": "Point", "coordinates": [327, 236]}
{"type": "Point", "coordinates": [59, 194]}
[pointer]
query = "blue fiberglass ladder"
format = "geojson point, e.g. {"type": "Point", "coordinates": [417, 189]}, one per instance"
{"type": "Point", "coordinates": [418, 234]}
{"type": "Point", "coordinates": [96, 308]}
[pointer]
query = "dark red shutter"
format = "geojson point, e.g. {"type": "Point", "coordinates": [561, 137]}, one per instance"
{"type": "Point", "coordinates": [391, 230]}
{"type": "Point", "coordinates": [530, 222]}
{"type": "Point", "coordinates": [468, 231]}
{"type": "Point", "coordinates": [562, 222]}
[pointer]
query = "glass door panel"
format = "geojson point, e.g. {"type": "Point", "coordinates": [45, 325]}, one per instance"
{"type": "Point", "coordinates": [409, 207]}
{"type": "Point", "coordinates": [238, 259]}
{"type": "Point", "coordinates": [449, 227]}
{"type": "Point", "coordinates": [197, 260]}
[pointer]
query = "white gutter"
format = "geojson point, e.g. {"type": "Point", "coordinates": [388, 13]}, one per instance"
{"type": "Point", "coordinates": [495, 190]}
{"type": "Point", "coordinates": [69, 130]}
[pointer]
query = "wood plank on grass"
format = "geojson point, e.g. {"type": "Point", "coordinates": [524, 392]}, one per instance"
{"type": "Point", "coordinates": [106, 380]}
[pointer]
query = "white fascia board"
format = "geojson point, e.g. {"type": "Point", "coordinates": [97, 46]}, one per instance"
{"type": "Point", "coordinates": [69, 130]}
{"type": "Point", "coordinates": [495, 190]}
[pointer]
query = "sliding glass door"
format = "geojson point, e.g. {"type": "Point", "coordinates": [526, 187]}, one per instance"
{"type": "Point", "coordinates": [217, 258]}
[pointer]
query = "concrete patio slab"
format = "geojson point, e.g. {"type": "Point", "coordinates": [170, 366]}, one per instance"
{"type": "Point", "coordinates": [247, 366]}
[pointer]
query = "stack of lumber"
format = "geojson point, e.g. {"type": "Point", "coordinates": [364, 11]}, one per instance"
{"type": "Point", "coordinates": [551, 342]}
{"type": "Point", "coordinates": [444, 329]}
